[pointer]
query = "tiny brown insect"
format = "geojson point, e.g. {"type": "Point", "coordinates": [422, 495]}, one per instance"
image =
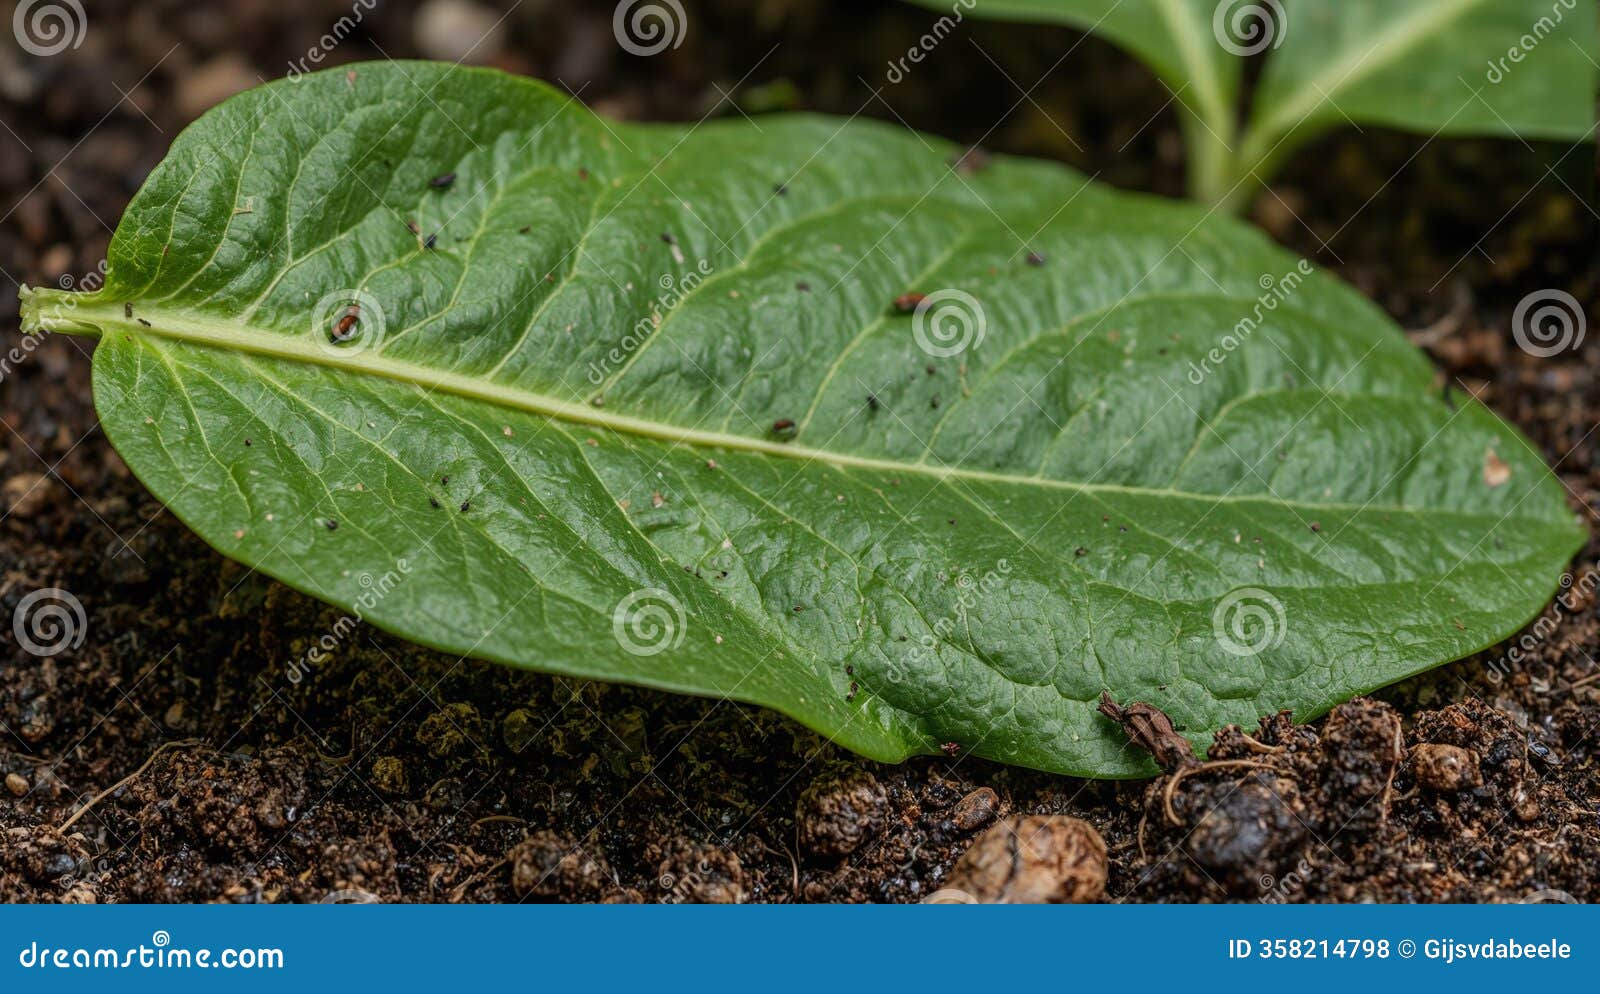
{"type": "Point", "coordinates": [127, 310]}
{"type": "Point", "coordinates": [1035, 259]}
{"type": "Point", "coordinates": [431, 241]}
{"type": "Point", "coordinates": [442, 182]}
{"type": "Point", "coordinates": [348, 323]}
{"type": "Point", "coordinates": [784, 428]}
{"type": "Point", "coordinates": [951, 748]}
{"type": "Point", "coordinates": [907, 302]}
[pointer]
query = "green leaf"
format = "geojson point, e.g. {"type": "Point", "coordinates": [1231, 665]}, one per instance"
{"type": "Point", "coordinates": [1437, 67]}
{"type": "Point", "coordinates": [1453, 67]}
{"type": "Point", "coordinates": [1161, 457]}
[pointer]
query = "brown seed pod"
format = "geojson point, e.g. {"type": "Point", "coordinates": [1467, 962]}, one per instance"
{"type": "Point", "coordinates": [1034, 859]}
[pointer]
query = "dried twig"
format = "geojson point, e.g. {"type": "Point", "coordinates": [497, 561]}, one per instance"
{"type": "Point", "coordinates": [130, 778]}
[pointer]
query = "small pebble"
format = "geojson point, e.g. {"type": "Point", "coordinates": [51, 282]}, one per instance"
{"type": "Point", "coordinates": [459, 31]}
{"type": "Point", "coordinates": [1445, 768]}
{"type": "Point", "coordinates": [975, 809]}
{"type": "Point", "coordinates": [17, 784]}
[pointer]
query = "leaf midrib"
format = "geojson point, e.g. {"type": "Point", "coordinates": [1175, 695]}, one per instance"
{"type": "Point", "coordinates": [208, 331]}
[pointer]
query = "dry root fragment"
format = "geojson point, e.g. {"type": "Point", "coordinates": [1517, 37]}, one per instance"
{"type": "Point", "coordinates": [1149, 727]}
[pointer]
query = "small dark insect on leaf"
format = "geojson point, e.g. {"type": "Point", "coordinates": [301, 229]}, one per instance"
{"type": "Point", "coordinates": [669, 238]}
{"type": "Point", "coordinates": [907, 302]}
{"type": "Point", "coordinates": [951, 748]}
{"type": "Point", "coordinates": [412, 227]}
{"type": "Point", "coordinates": [127, 310]}
{"type": "Point", "coordinates": [442, 182]}
{"type": "Point", "coordinates": [781, 189]}
{"type": "Point", "coordinates": [872, 401]}
{"type": "Point", "coordinates": [145, 323]}
{"type": "Point", "coordinates": [333, 525]}
{"type": "Point", "coordinates": [803, 286]}
{"type": "Point", "coordinates": [466, 506]}
{"type": "Point", "coordinates": [1316, 526]}
{"type": "Point", "coordinates": [431, 241]}
{"type": "Point", "coordinates": [347, 325]}
{"type": "Point", "coordinates": [1035, 259]}
{"type": "Point", "coordinates": [583, 174]}
{"type": "Point", "coordinates": [784, 428]}
{"type": "Point", "coordinates": [444, 481]}
{"type": "Point", "coordinates": [247, 443]}
{"type": "Point", "coordinates": [433, 501]}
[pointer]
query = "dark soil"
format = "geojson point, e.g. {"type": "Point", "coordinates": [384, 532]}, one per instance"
{"type": "Point", "coordinates": [398, 774]}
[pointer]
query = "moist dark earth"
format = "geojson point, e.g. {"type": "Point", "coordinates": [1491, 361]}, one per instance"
{"type": "Point", "coordinates": [397, 774]}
